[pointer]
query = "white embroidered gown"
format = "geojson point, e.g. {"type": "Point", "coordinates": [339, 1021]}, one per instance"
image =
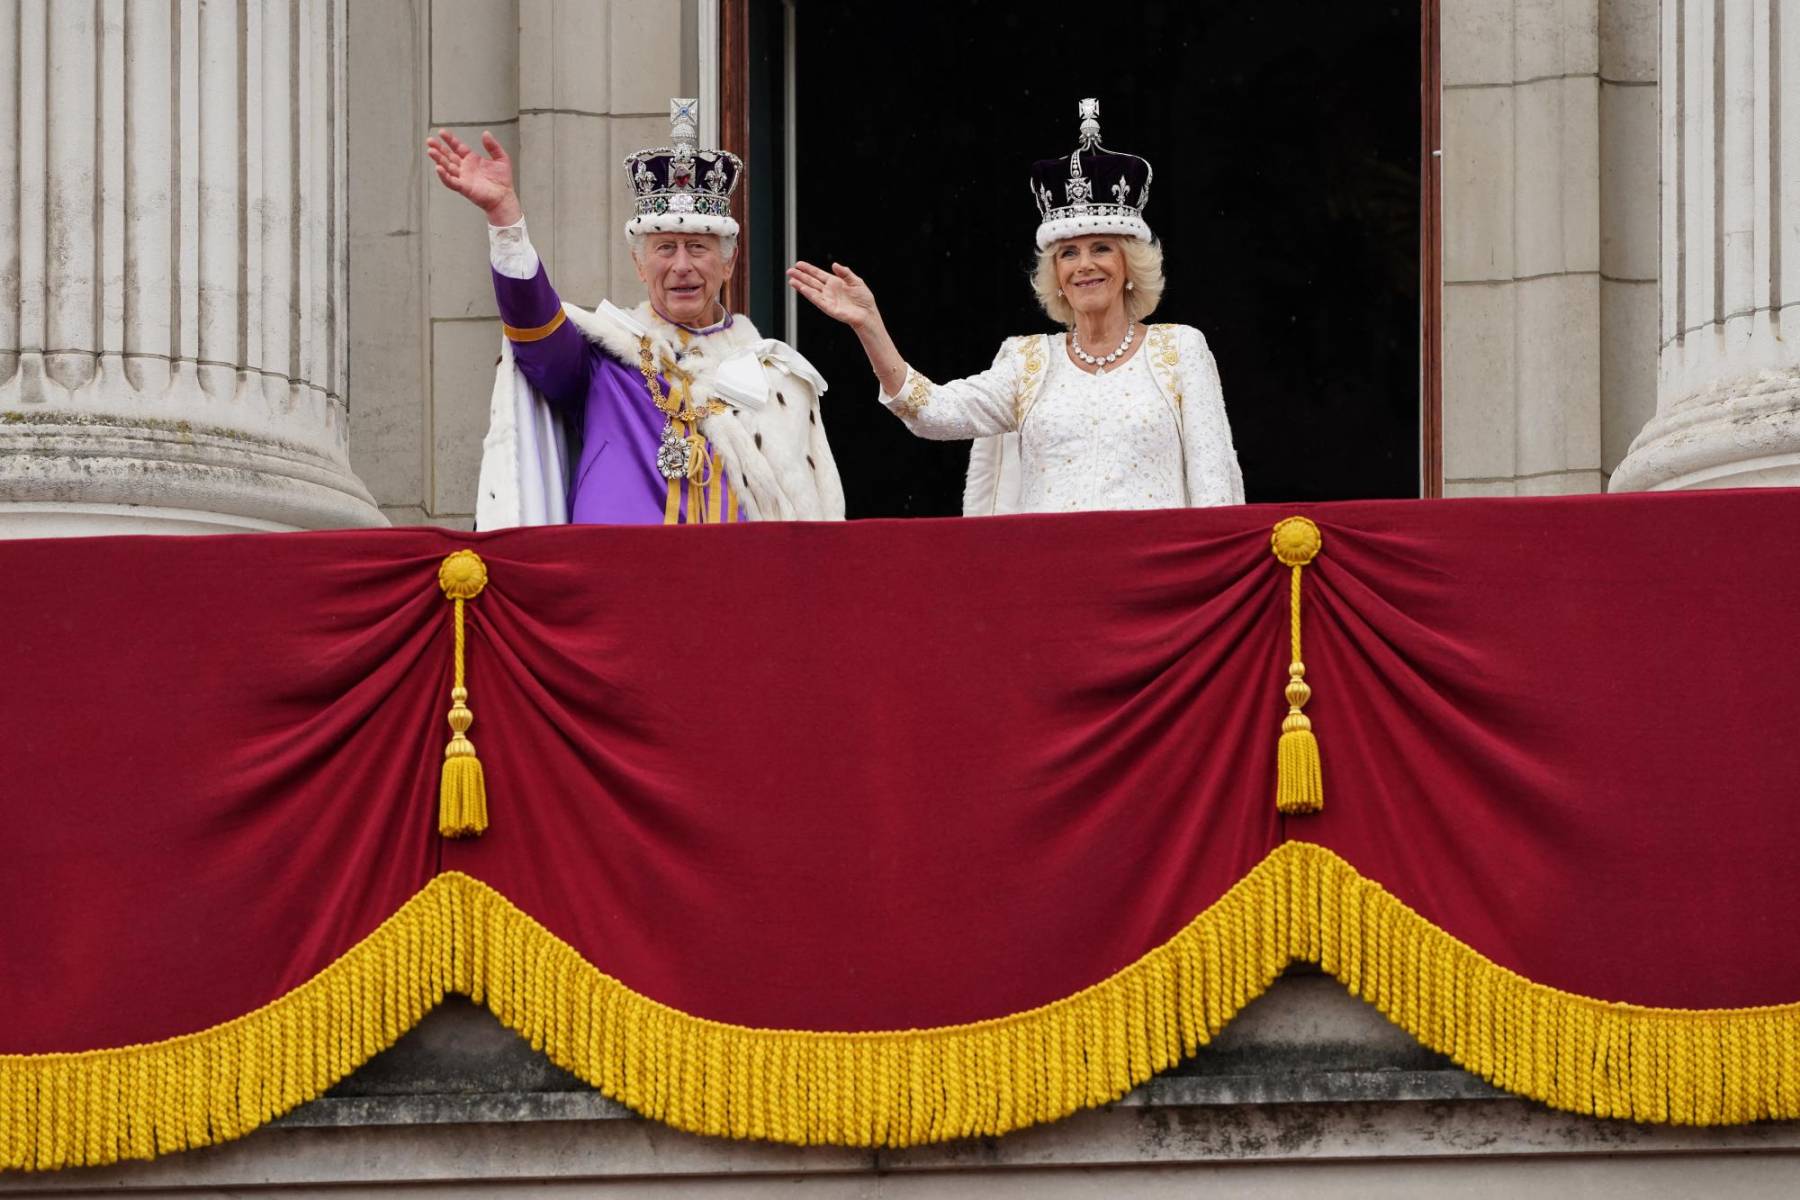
{"type": "Point", "coordinates": [1148, 433]}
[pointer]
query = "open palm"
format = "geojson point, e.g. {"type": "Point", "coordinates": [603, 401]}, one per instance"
{"type": "Point", "coordinates": [485, 179]}
{"type": "Point", "coordinates": [839, 293]}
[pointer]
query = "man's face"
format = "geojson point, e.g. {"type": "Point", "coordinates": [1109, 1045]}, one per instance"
{"type": "Point", "coordinates": [684, 272]}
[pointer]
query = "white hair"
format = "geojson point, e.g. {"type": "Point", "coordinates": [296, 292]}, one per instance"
{"type": "Point", "coordinates": [728, 242]}
{"type": "Point", "coordinates": [1143, 268]}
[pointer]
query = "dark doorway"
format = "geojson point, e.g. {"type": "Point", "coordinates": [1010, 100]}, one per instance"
{"type": "Point", "coordinates": [1286, 145]}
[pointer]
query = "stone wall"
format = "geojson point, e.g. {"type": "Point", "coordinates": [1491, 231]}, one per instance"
{"type": "Point", "coordinates": [1550, 241]}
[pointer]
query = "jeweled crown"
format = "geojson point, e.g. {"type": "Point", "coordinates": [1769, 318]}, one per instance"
{"type": "Point", "coordinates": [1093, 190]}
{"type": "Point", "coordinates": [679, 186]}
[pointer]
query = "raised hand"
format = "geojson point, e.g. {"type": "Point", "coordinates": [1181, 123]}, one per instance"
{"type": "Point", "coordinates": [840, 294]}
{"type": "Point", "coordinates": [486, 180]}
{"type": "Point", "coordinates": [843, 296]}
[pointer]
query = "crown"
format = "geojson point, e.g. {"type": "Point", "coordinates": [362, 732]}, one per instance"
{"type": "Point", "coordinates": [1093, 190]}
{"type": "Point", "coordinates": [679, 187]}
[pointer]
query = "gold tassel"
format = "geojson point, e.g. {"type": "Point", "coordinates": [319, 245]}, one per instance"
{"type": "Point", "coordinates": [462, 793]}
{"type": "Point", "coordinates": [1299, 784]}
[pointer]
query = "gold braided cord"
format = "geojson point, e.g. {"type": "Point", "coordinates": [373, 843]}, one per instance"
{"type": "Point", "coordinates": [1301, 903]}
{"type": "Point", "coordinates": [457, 602]}
{"type": "Point", "coordinates": [1294, 615]}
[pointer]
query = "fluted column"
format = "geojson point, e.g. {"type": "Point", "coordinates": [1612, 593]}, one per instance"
{"type": "Point", "coordinates": [172, 275]}
{"type": "Point", "coordinates": [1728, 394]}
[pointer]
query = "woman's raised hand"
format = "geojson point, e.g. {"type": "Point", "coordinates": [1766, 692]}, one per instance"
{"type": "Point", "coordinates": [485, 180]}
{"type": "Point", "coordinates": [840, 294]}
{"type": "Point", "coordinates": [843, 296]}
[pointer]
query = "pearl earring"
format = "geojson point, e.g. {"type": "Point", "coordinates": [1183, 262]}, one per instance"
{"type": "Point", "coordinates": [1059, 292]}
{"type": "Point", "coordinates": [1129, 285]}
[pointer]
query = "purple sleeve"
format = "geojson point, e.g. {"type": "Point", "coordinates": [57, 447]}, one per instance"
{"type": "Point", "coordinates": [557, 364]}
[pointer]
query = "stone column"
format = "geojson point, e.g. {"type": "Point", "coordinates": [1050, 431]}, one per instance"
{"type": "Point", "coordinates": [172, 277]}
{"type": "Point", "coordinates": [1728, 391]}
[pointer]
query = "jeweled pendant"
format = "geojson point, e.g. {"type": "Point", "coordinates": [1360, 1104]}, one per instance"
{"type": "Point", "coordinates": [672, 454]}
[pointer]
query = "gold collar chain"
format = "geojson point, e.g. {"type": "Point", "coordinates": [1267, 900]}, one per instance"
{"type": "Point", "coordinates": [678, 404]}
{"type": "Point", "coordinates": [682, 452]}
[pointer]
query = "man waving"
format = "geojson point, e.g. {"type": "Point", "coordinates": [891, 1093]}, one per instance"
{"type": "Point", "coordinates": [676, 412]}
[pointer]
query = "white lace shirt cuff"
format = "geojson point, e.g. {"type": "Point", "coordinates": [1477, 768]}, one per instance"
{"type": "Point", "coordinates": [511, 251]}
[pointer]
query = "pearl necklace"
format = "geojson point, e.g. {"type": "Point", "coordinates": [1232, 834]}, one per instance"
{"type": "Point", "coordinates": [1108, 360]}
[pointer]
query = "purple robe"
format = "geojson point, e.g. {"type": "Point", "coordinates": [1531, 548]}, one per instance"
{"type": "Point", "coordinates": [615, 481]}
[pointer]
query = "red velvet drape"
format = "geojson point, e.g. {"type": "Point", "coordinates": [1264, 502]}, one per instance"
{"type": "Point", "coordinates": [892, 775]}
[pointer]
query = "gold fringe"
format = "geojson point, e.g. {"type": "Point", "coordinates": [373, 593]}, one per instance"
{"type": "Point", "coordinates": [86, 1109]}
{"type": "Point", "coordinates": [1302, 902]}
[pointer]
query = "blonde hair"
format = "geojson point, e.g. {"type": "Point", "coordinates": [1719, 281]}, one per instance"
{"type": "Point", "coordinates": [1143, 270]}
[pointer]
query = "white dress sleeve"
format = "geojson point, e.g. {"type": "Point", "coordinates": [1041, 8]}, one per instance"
{"type": "Point", "coordinates": [974, 407]}
{"type": "Point", "coordinates": [1213, 474]}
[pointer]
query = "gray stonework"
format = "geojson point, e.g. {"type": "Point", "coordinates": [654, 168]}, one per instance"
{"type": "Point", "coordinates": [1550, 241]}
{"type": "Point", "coordinates": [1728, 400]}
{"type": "Point", "coordinates": [1308, 1087]}
{"type": "Point", "coordinates": [172, 273]}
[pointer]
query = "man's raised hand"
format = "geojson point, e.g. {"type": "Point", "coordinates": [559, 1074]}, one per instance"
{"type": "Point", "coordinates": [486, 180]}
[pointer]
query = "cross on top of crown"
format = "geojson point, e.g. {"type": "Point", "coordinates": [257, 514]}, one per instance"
{"type": "Point", "coordinates": [684, 121]}
{"type": "Point", "coordinates": [1089, 110]}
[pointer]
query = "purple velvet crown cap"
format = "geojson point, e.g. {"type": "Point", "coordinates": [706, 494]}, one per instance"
{"type": "Point", "coordinates": [1093, 190]}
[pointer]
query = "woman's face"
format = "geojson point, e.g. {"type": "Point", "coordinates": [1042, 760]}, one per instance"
{"type": "Point", "coordinates": [1090, 270]}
